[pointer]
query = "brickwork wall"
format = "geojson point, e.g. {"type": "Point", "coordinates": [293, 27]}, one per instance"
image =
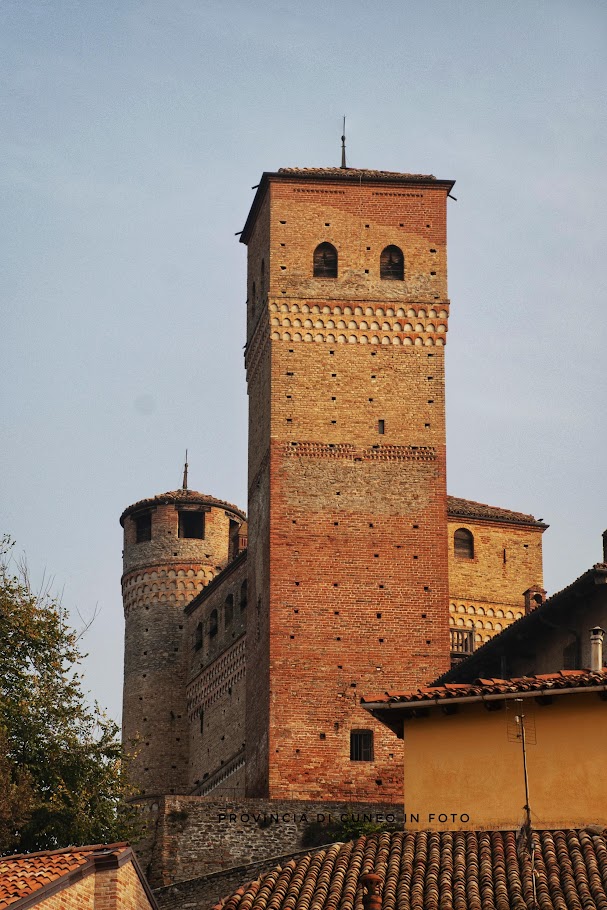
{"type": "Point", "coordinates": [354, 520]}
{"type": "Point", "coordinates": [227, 598]}
{"type": "Point", "coordinates": [79, 896]}
{"type": "Point", "coordinates": [162, 576]}
{"type": "Point", "coordinates": [216, 709]}
{"type": "Point", "coordinates": [486, 592]}
{"type": "Point", "coordinates": [198, 836]}
{"type": "Point", "coordinates": [120, 889]}
{"type": "Point", "coordinates": [111, 889]}
{"type": "Point", "coordinates": [258, 554]}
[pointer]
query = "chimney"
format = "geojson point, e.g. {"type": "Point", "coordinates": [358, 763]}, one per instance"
{"type": "Point", "coordinates": [596, 649]}
{"type": "Point", "coordinates": [534, 598]}
{"type": "Point", "coordinates": [604, 546]}
{"type": "Point", "coordinates": [371, 882]}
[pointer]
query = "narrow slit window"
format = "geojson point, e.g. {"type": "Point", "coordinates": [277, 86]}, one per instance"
{"type": "Point", "coordinates": [381, 427]}
{"type": "Point", "coordinates": [229, 610]}
{"type": "Point", "coordinates": [325, 261]}
{"type": "Point", "coordinates": [213, 623]}
{"type": "Point", "coordinates": [392, 264]}
{"type": "Point", "coordinates": [198, 637]}
{"type": "Point", "coordinates": [243, 595]}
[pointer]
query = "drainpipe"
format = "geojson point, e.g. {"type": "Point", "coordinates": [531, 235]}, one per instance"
{"type": "Point", "coordinates": [596, 649]}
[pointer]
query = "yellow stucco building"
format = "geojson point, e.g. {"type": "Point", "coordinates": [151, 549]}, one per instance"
{"type": "Point", "coordinates": [465, 767]}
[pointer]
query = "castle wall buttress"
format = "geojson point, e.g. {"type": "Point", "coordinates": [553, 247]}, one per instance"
{"type": "Point", "coordinates": [347, 486]}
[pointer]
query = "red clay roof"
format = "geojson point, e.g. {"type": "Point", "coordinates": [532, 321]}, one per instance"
{"type": "Point", "coordinates": [24, 873]}
{"type": "Point", "coordinates": [353, 173]}
{"type": "Point", "coordinates": [474, 870]}
{"type": "Point", "coordinates": [181, 496]}
{"type": "Point", "coordinates": [466, 508]}
{"type": "Point", "coordinates": [544, 682]}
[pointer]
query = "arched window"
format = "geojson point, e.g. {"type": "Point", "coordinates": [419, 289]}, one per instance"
{"type": "Point", "coordinates": [392, 264]}
{"type": "Point", "coordinates": [229, 610]}
{"type": "Point", "coordinates": [243, 595]}
{"type": "Point", "coordinates": [463, 544]}
{"type": "Point", "coordinates": [213, 623]}
{"type": "Point", "coordinates": [198, 637]}
{"type": "Point", "coordinates": [325, 261]}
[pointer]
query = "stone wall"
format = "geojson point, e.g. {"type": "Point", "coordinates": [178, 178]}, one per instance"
{"type": "Point", "coordinates": [203, 893]}
{"type": "Point", "coordinates": [195, 836]}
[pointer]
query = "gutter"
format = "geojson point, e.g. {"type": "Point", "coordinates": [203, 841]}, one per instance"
{"type": "Point", "coordinates": [470, 699]}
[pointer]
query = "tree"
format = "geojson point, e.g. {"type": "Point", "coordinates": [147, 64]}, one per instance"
{"type": "Point", "coordinates": [62, 769]}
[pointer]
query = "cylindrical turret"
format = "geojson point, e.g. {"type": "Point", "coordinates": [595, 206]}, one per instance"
{"type": "Point", "coordinates": [174, 545]}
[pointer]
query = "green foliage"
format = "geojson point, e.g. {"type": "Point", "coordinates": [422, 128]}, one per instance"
{"type": "Point", "coordinates": [319, 833]}
{"type": "Point", "coordinates": [62, 779]}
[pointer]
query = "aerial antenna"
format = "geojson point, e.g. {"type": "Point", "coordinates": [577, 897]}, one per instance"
{"type": "Point", "coordinates": [184, 485]}
{"type": "Point", "coordinates": [343, 145]}
{"type": "Point", "coordinates": [525, 734]}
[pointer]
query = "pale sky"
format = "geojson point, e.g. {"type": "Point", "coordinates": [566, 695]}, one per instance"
{"type": "Point", "coordinates": [131, 134]}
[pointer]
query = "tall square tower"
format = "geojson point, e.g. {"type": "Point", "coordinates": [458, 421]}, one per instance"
{"type": "Point", "coordinates": [346, 325]}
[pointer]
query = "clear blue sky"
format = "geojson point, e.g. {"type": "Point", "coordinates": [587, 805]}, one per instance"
{"type": "Point", "coordinates": [131, 135]}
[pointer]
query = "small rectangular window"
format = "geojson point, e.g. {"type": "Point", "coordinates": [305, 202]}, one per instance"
{"type": "Point", "coordinates": [143, 527]}
{"type": "Point", "coordinates": [191, 524]}
{"type": "Point", "coordinates": [361, 745]}
{"type": "Point", "coordinates": [381, 427]}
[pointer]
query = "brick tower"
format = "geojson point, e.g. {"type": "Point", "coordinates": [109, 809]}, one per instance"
{"type": "Point", "coordinates": [347, 315]}
{"type": "Point", "coordinates": [174, 545]}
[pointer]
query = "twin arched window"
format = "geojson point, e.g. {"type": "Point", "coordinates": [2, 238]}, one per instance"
{"type": "Point", "coordinates": [463, 544]}
{"type": "Point", "coordinates": [391, 262]}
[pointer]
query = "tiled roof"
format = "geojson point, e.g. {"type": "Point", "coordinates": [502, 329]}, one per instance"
{"type": "Point", "coordinates": [465, 508]}
{"type": "Point", "coordinates": [353, 173]}
{"type": "Point", "coordinates": [555, 609]}
{"type": "Point", "coordinates": [181, 496]}
{"type": "Point", "coordinates": [465, 870]}
{"type": "Point", "coordinates": [23, 874]}
{"type": "Point", "coordinates": [544, 682]}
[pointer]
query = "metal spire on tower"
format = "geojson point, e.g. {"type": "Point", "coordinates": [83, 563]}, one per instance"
{"type": "Point", "coordinates": [184, 485]}
{"type": "Point", "coordinates": [343, 145]}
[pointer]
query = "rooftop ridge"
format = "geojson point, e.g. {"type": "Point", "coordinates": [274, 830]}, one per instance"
{"type": "Point", "coordinates": [469, 508]}
{"type": "Point", "coordinates": [182, 495]}
{"type": "Point", "coordinates": [561, 680]}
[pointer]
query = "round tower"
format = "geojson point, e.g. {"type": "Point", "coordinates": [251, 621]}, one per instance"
{"type": "Point", "coordinates": [174, 545]}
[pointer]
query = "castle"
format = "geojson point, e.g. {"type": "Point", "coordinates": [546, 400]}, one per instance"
{"type": "Point", "coordinates": [248, 646]}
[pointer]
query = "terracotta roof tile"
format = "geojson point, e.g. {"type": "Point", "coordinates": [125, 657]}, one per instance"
{"type": "Point", "coordinates": [564, 679]}
{"type": "Point", "coordinates": [465, 870]}
{"type": "Point", "coordinates": [181, 496]}
{"type": "Point", "coordinates": [466, 508]}
{"type": "Point", "coordinates": [25, 873]}
{"type": "Point", "coordinates": [353, 173]}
